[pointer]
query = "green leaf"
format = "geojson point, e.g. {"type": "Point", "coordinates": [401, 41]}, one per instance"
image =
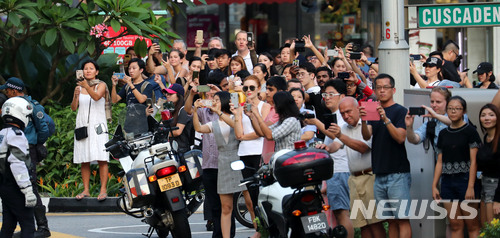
{"type": "Point", "coordinates": [136, 10]}
{"type": "Point", "coordinates": [172, 34]}
{"type": "Point", "coordinates": [107, 59]}
{"type": "Point", "coordinates": [71, 13]}
{"type": "Point", "coordinates": [29, 13]}
{"type": "Point", "coordinates": [115, 25]}
{"type": "Point", "coordinates": [76, 25]}
{"type": "Point", "coordinates": [189, 3]}
{"type": "Point", "coordinates": [67, 41]}
{"type": "Point", "coordinates": [50, 36]}
{"type": "Point", "coordinates": [84, 7]}
{"type": "Point", "coordinates": [140, 47]}
{"type": "Point", "coordinates": [25, 5]}
{"type": "Point", "coordinates": [134, 20]}
{"type": "Point", "coordinates": [14, 19]}
{"type": "Point", "coordinates": [91, 48]}
{"type": "Point", "coordinates": [131, 27]}
{"type": "Point", "coordinates": [69, 2]}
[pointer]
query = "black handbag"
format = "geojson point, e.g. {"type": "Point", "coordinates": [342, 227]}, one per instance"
{"type": "Point", "coordinates": [83, 132]}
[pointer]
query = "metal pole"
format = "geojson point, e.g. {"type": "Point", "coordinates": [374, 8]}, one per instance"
{"type": "Point", "coordinates": [298, 19]}
{"type": "Point", "coordinates": [393, 49]}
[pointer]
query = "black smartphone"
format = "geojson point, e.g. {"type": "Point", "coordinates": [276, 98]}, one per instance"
{"type": "Point", "coordinates": [156, 41]}
{"type": "Point", "coordinates": [308, 115]}
{"type": "Point", "coordinates": [343, 75]}
{"type": "Point", "coordinates": [250, 38]}
{"type": "Point", "coordinates": [417, 111]}
{"type": "Point", "coordinates": [300, 46]}
{"type": "Point", "coordinates": [149, 102]}
{"type": "Point", "coordinates": [355, 55]}
{"type": "Point", "coordinates": [196, 74]}
{"type": "Point", "coordinates": [465, 70]}
{"type": "Point", "coordinates": [164, 56]}
{"type": "Point", "coordinates": [329, 119]}
{"type": "Point", "coordinates": [416, 57]}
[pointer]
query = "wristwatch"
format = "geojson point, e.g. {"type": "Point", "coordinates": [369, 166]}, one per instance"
{"type": "Point", "coordinates": [387, 123]}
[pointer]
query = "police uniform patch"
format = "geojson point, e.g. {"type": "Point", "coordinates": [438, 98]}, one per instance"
{"type": "Point", "coordinates": [17, 131]}
{"type": "Point", "coordinates": [39, 115]}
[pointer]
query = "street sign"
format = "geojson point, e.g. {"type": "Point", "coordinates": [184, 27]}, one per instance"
{"type": "Point", "coordinates": [461, 15]}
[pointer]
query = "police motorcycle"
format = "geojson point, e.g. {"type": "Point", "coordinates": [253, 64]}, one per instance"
{"type": "Point", "coordinates": [290, 203]}
{"type": "Point", "coordinates": [159, 185]}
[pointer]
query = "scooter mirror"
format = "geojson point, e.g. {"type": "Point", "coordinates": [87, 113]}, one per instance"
{"type": "Point", "coordinates": [237, 165]}
{"type": "Point", "coordinates": [100, 128]}
{"type": "Point", "coordinates": [175, 146]}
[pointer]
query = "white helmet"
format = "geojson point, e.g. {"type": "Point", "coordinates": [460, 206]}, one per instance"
{"type": "Point", "coordinates": [17, 110]}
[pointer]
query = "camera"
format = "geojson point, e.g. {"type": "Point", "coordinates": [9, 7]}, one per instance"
{"type": "Point", "coordinates": [305, 115]}
{"type": "Point", "coordinates": [300, 46]}
{"type": "Point", "coordinates": [416, 111]}
{"type": "Point", "coordinates": [343, 75]}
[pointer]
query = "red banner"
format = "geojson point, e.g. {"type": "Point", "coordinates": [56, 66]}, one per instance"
{"type": "Point", "coordinates": [121, 44]}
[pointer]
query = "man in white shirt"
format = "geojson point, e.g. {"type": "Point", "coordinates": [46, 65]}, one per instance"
{"type": "Point", "coordinates": [307, 76]}
{"type": "Point", "coordinates": [337, 188]}
{"type": "Point", "coordinates": [243, 51]}
{"type": "Point", "coordinates": [359, 160]}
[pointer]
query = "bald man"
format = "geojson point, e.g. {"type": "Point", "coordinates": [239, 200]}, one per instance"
{"type": "Point", "coordinates": [359, 160]}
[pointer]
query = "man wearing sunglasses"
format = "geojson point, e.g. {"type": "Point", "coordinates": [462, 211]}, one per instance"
{"type": "Point", "coordinates": [450, 54]}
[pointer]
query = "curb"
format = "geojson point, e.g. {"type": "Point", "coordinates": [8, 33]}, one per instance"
{"type": "Point", "coordinates": [84, 205]}
{"type": "Point", "coordinates": [88, 204]}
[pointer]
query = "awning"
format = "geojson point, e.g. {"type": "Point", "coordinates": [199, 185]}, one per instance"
{"type": "Point", "coordinates": [243, 1]}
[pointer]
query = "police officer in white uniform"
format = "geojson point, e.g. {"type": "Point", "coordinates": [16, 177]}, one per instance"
{"type": "Point", "coordinates": [16, 190]}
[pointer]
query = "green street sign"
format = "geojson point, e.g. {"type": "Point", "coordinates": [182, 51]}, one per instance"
{"type": "Point", "coordinates": [462, 15]}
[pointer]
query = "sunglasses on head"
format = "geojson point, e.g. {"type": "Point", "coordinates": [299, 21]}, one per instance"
{"type": "Point", "coordinates": [252, 88]}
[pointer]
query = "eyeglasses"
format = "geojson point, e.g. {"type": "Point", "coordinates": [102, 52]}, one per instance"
{"type": "Point", "coordinates": [313, 58]}
{"type": "Point", "coordinates": [350, 85]}
{"type": "Point", "coordinates": [383, 87]}
{"type": "Point", "coordinates": [252, 88]}
{"type": "Point", "coordinates": [300, 75]}
{"type": "Point", "coordinates": [329, 95]}
{"type": "Point", "coordinates": [454, 109]}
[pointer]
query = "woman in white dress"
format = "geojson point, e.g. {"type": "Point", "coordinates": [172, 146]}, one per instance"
{"type": "Point", "coordinates": [91, 98]}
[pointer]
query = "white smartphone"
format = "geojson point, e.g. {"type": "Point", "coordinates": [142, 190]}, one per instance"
{"type": "Point", "coordinates": [332, 53]}
{"type": "Point", "coordinates": [199, 36]}
{"type": "Point", "coordinates": [235, 100]}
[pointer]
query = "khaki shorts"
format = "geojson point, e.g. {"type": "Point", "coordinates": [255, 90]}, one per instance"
{"type": "Point", "coordinates": [361, 188]}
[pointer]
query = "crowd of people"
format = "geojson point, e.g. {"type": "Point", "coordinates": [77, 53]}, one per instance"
{"type": "Point", "coordinates": [301, 93]}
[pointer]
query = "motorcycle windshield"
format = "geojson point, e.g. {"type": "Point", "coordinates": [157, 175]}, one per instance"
{"type": "Point", "coordinates": [133, 121]}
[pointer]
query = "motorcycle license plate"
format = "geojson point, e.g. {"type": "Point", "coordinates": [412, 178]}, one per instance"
{"type": "Point", "coordinates": [170, 182]}
{"type": "Point", "coordinates": [314, 223]}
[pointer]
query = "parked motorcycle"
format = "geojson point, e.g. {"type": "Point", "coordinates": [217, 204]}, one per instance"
{"type": "Point", "coordinates": [290, 203]}
{"type": "Point", "coordinates": [158, 182]}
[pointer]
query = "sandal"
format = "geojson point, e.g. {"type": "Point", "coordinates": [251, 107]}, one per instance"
{"type": "Point", "coordinates": [102, 197]}
{"type": "Point", "coordinates": [81, 196]}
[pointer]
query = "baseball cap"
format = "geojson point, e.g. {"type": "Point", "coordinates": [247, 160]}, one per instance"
{"type": "Point", "coordinates": [13, 83]}
{"type": "Point", "coordinates": [175, 88]}
{"type": "Point", "coordinates": [433, 61]}
{"type": "Point", "coordinates": [483, 67]}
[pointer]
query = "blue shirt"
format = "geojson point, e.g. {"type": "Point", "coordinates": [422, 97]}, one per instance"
{"type": "Point", "coordinates": [37, 130]}
{"type": "Point", "coordinates": [156, 87]}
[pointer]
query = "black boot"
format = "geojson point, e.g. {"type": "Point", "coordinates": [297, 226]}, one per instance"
{"type": "Point", "coordinates": [41, 222]}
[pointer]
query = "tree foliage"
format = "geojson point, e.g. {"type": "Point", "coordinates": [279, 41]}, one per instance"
{"type": "Point", "coordinates": [43, 41]}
